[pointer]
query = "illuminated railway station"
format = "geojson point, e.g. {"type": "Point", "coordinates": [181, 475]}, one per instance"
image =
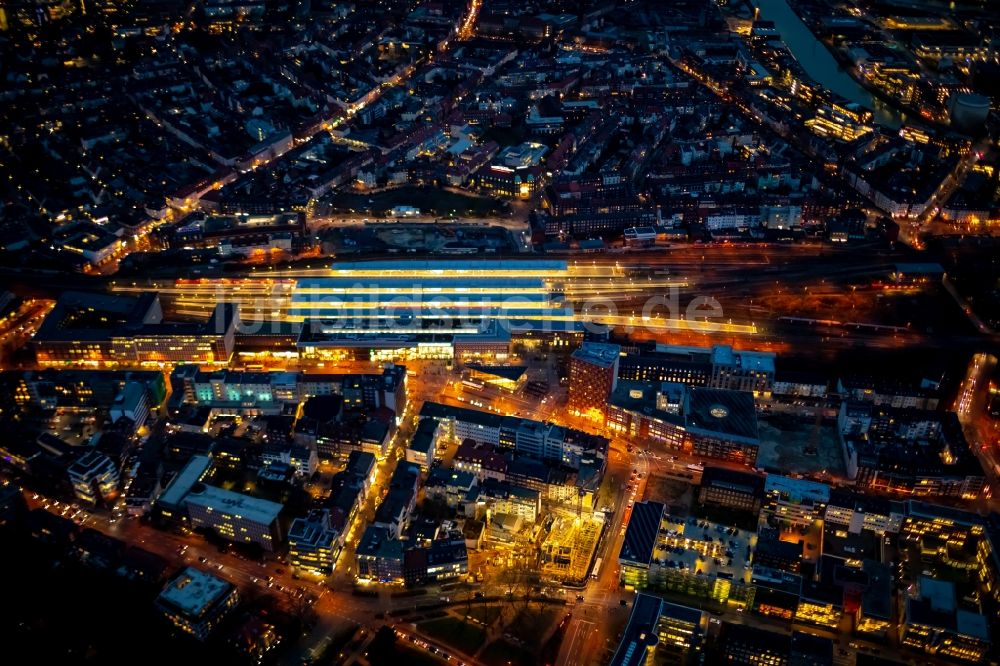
{"type": "Point", "coordinates": [472, 310]}
{"type": "Point", "coordinates": [278, 295]}
{"type": "Point", "coordinates": [431, 309]}
{"type": "Point", "coordinates": [432, 295]}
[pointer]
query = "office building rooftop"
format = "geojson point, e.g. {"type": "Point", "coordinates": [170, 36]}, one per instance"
{"type": "Point", "coordinates": [182, 483]}
{"type": "Point", "coordinates": [640, 633]}
{"type": "Point", "coordinates": [598, 353]}
{"type": "Point", "coordinates": [796, 491]}
{"type": "Point", "coordinates": [640, 536]}
{"type": "Point", "coordinates": [193, 591]}
{"type": "Point", "coordinates": [728, 413]}
{"type": "Point", "coordinates": [244, 506]}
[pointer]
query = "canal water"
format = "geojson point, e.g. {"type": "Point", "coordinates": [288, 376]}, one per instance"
{"type": "Point", "coordinates": [817, 61]}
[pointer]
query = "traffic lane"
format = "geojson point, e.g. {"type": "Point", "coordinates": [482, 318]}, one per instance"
{"type": "Point", "coordinates": [593, 633]}
{"type": "Point", "coordinates": [574, 642]}
{"type": "Point", "coordinates": [433, 647]}
{"type": "Point", "coordinates": [271, 577]}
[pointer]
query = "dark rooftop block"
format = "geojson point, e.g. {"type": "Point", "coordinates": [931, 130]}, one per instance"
{"type": "Point", "coordinates": [640, 537]}
{"type": "Point", "coordinates": [729, 413]}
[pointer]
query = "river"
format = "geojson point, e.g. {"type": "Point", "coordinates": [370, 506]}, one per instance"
{"type": "Point", "coordinates": [817, 61]}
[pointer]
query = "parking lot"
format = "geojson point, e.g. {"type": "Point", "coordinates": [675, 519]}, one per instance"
{"type": "Point", "coordinates": [74, 427]}
{"type": "Point", "coordinates": [704, 548]}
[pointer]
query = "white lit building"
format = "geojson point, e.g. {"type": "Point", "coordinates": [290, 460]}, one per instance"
{"type": "Point", "coordinates": [795, 501]}
{"type": "Point", "coordinates": [234, 516]}
{"type": "Point", "coordinates": [94, 477]}
{"type": "Point", "coordinates": [313, 543]}
{"type": "Point", "coordinates": [131, 403]}
{"type": "Point", "coordinates": [195, 601]}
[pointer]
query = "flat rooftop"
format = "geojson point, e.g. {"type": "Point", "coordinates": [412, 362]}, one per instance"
{"type": "Point", "coordinates": [718, 411]}
{"type": "Point", "coordinates": [185, 480]}
{"type": "Point", "coordinates": [972, 624]}
{"type": "Point", "coordinates": [750, 360]}
{"type": "Point", "coordinates": [423, 439]}
{"type": "Point", "coordinates": [640, 535]}
{"type": "Point", "coordinates": [876, 601]}
{"type": "Point", "coordinates": [927, 268]}
{"type": "Point", "coordinates": [940, 593]}
{"type": "Point", "coordinates": [437, 410]}
{"type": "Point", "coordinates": [65, 323]}
{"type": "Point", "coordinates": [718, 551]}
{"type": "Point", "coordinates": [225, 501]}
{"type": "Point", "coordinates": [797, 491]}
{"type": "Point", "coordinates": [243, 377]}
{"type": "Point", "coordinates": [640, 633]}
{"type": "Point", "coordinates": [440, 411]}
{"type": "Point", "coordinates": [425, 284]}
{"type": "Point", "coordinates": [719, 354]}
{"type": "Point", "coordinates": [926, 511]}
{"type": "Point", "coordinates": [509, 372]}
{"type": "Point", "coordinates": [192, 591]}
{"type": "Point", "coordinates": [93, 316]}
{"type": "Point", "coordinates": [839, 542]}
{"type": "Point", "coordinates": [734, 480]}
{"type": "Point", "coordinates": [476, 267]}
{"type": "Point", "coordinates": [372, 338]}
{"type": "Point", "coordinates": [598, 353]}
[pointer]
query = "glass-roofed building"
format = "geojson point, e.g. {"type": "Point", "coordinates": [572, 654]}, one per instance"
{"type": "Point", "coordinates": [430, 309]}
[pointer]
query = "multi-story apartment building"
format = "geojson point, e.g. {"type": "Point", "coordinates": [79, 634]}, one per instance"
{"type": "Point", "coordinates": [742, 370]}
{"type": "Point", "coordinates": [544, 441]}
{"type": "Point", "coordinates": [640, 410]}
{"type": "Point", "coordinates": [450, 486]}
{"type": "Point", "coordinates": [269, 392]}
{"type": "Point", "coordinates": [314, 543]}
{"type": "Point", "coordinates": [302, 459]}
{"type": "Point", "coordinates": [492, 498]}
{"type": "Point", "coordinates": [94, 478]}
{"type": "Point", "coordinates": [423, 444]}
{"type": "Point", "coordinates": [481, 460]}
{"type": "Point", "coordinates": [954, 538]}
{"type": "Point", "coordinates": [798, 502]}
{"type": "Point", "coordinates": [593, 373]}
{"type": "Point", "coordinates": [131, 403]}
{"type": "Point", "coordinates": [909, 451]}
{"type": "Point", "coordinates": [79, 389]}
{"type": "Point", "coordinates": [706, 422]}
{"type": "Point", "coordinates": [379, 557]}
{"type": "Point", "coordinates": [658, 365]}
{"type": "Point", "coordinates": [855, 513]}
{"type": "Point", "coordinates": [741, 644]}
{"type": "Point", "coordinates": [731, 489]}
{"type": "Point", "coordinates": [719, 366]}
{"type": "Point", "coordinates": [934, 623]}
{"type": "Point", "coordinates": [890, 392]}
{"type": "Point", "coordinates": [798, 384]}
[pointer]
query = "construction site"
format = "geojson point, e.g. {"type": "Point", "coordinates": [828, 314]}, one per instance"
{"type": "Point", "coordinates": [567, 550]}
